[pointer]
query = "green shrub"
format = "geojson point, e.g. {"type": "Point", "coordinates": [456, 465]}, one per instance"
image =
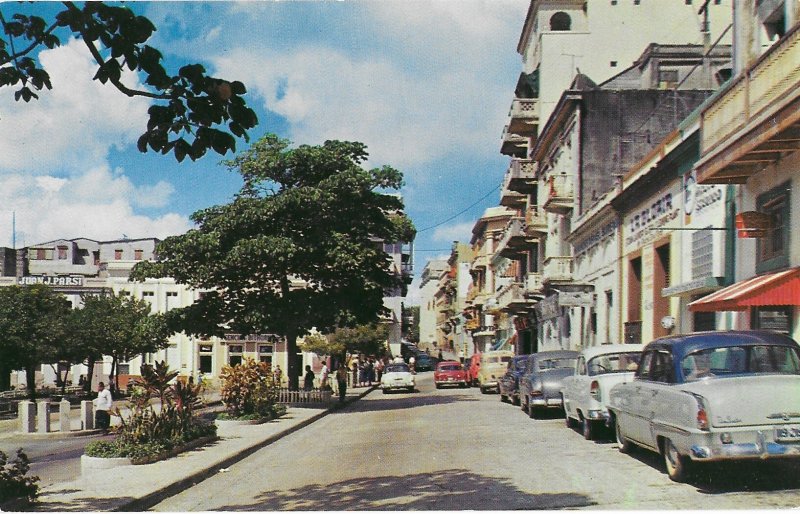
{"type": "Point", "coordinates": [248, 389]}
{"type": "Point", "coordinates": [14, 482]}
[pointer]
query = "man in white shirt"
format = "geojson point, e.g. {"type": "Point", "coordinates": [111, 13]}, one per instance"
{"type": "Point", "coordinates": [103, 402]}
{"type": "Point", "coordinates": [323, 376]}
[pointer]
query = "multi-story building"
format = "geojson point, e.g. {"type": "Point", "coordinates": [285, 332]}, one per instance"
{"type": "Point", "coordinates": [452, 296]}
{"type": "Point", "coordinates": [749, 136]}
{"type": "Point", "coordinates": [592, 135]}
{"type": "Point", "coordinates": [432, 273]}
{"type": "Point", "coordinates": [77, 267]}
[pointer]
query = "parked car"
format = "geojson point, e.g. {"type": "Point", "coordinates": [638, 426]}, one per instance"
{"type": "Point", "coordinates": [449, 373]}
{"type": "Point", "coordinates": [493, 366]}
{"type": "Point", "coordinates": [424, 362]}
{"type": "Point", "coordinates": [712, 396]}
{"type": "Point", "coordinates": [597, 370]}
{"type": "Point", "coordinates": [473, 366]}
{"type": "Point", "coordinates": [540, 385]}
{"type": "Point", "coordinates": [397, 375]}
{"type": "Point", "coordinates": [509, 382]}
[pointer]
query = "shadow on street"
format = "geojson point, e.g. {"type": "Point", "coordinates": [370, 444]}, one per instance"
{"type": "Point", "coordinates": [395, 401]}
{"type": "Point", "coordinates": [454, 489]}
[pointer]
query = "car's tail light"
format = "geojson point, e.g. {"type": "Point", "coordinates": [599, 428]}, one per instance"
{"type": "Point", "coordinates": [594, 390]}
{"type": "Point", "coordinates": [702, 414]}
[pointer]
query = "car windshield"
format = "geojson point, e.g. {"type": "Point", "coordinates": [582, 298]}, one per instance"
{"type": "Point", "coordinates": [559, 362]}
{"type": "Point", "coordinates": [496, 359]}
{"type": "Point", "coordinates": [614, 363]}
{"type": "Point", "coordinates": [740, 360]}
{"type": "Point", "coordinates": [397, 368]}
{"type": "Point", "coordinates": [450, 367]}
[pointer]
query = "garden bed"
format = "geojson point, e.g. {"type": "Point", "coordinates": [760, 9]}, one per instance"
{"type": "Point", "coordinates": [96, 463]}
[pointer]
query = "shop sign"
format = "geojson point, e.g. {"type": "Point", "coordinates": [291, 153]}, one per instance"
{"type": "Point", "coordinates": [596, 237]}
{"type": "Point", "coordinates": [51, 281]}
{"type": "Point", "coordinates": [642, 225]}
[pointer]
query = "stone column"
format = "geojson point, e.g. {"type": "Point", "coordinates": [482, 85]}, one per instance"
{"type": "Point", "coordinates": [64, 416]}
{"type": "Point", "coordinates": [27, 417]}
{"type": "Point", "coordinates": [43, 415]}
{"type": "Point", "coordinates": [87, 415]}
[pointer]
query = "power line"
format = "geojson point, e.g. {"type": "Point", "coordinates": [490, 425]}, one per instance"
{"type": "Point", "coordinates": [454, 216]}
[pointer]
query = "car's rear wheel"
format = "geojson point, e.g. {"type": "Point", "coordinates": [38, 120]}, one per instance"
{"type": "Point", "coordinates": [625, 446]}
{"type": "Point", "coordinates": [438, 386]}
{"type": "Point", "coordinates": [531, 409]}
{"type": "Point", "coordinates": [588, 429]}
{"type": "Point", "coordinates": [678, 466]}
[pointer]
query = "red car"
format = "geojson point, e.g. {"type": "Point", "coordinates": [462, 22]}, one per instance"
{"type": "Point", "coordinates": [449, 373]}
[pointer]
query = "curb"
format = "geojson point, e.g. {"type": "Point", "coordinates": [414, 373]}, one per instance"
{"type": "Point", "coordinates": [148, 501]}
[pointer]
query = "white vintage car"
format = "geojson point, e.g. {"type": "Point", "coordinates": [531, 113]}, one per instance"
{"type": "Point", "coordinates": [712, 396]}
{"type": "Point", "coordinates": [597, 370]}
{"type": "Point", "coordinates": [397, 376]}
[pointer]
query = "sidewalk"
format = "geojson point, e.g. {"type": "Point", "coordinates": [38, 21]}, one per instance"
{"type": "Point", "coordinates": [137, 488]}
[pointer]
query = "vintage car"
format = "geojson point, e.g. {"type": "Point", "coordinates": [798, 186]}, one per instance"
{"type": "Point", "coordinates": [425, 362]}
{"type": "Point", "coordinates": [540, 384]}
{"type": "Point", "coordinates": [473, 365]}
{"type": "Point", "coordinates": [509, 383]}
{"type": "Point", "coordinates": [597, 370]}
{"type": "Point", "coordinates": [449, 373]}
{"type": "Point", "coordinates": [712, 396]}
{"type": "Point", "coordinates": [397, 376]}
{"type": "Point", "coordinates": [493, 366]}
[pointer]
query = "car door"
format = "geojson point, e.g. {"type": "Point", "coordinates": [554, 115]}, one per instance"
{"type": "Point", "coordinates": [574, 387]}
{"type": "Point", "coordinates": [652, 395]}
{"type": "Point", "coordinates": [631, 417]}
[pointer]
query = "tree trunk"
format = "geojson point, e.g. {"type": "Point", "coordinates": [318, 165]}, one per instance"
{"type": "Point", "coordinates": [87, 386]}
{"type": "Point", "coordinates": [293, 371]}
{"type": "Point", "coordinates": [30, 378]}
{"type": "Point", "coordinates": [5, 377]}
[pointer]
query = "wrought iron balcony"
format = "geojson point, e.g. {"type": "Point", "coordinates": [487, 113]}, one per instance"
{"type": "Point", "coordinates": [557, 269]}
{"type": "Point", "coordinates": [560, 194]}
{"type": "Point", "coordinates": [521, 176]}
{"type": "Point", "coordinates": [524, 116]}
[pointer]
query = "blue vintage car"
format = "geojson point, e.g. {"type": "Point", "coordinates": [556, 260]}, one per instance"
{"type": "Point", "coordinates": [541, 383]}
{"type": "Point", "coordinates": [712, 396]}
{"type": "Point", "coordinates": [509, 383]}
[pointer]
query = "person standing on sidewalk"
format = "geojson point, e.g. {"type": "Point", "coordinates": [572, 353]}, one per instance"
{"type": "Point", "coordinates": [103, 402]}
{"type": "Point", "coordinates": [341, 380]}
{"type": "Point", "coordinates": [308, 380]}
{"type": "Point", "coordinates": [323, 377]}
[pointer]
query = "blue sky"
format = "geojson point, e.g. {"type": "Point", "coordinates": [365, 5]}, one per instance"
{"type": "Point", "coordinates": [426, 85]}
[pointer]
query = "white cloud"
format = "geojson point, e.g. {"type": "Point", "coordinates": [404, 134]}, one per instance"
{"type": "Point", "coordinates": [457, 232]}
{"type": "Point", "coordinates": [72, 126]}
{"type": "Point", "coordinates": [96, 205]}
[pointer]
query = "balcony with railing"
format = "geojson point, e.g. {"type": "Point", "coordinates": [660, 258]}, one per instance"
{"type": "Point", "coordinates": [521, 176]}
{"type": "Point", "coordinates": [511, 298]}
{"type": "Point", "coordinates": [560, 194]}
{"type": "Point", "coordinates": [557, 269]}
{"type": "Point", "coordinates": [513, 144]}
{"type": "Point", "coordinates": [535, 222]}
{"type": "Point", "coordinates": [513, 241]}
{"type": "Point", "coordinates": [524, 116]}
{"type": "Point", "coordinates": [755, 121]}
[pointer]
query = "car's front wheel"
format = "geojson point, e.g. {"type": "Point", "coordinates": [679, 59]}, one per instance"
{"type": "Point", "coordinates": [625, 446]}
{"type": "Point", "coordinates": [678, 465]}
{"type": "Point", "coordinates": [531, 409]}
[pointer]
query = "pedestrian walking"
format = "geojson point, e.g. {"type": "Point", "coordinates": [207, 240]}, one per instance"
{"type": "Point", "coordinates": [308, 380]}
{"type": "Point", "coordinates": [412, 364]}
{"type": "Point", "coordinates": [323, 377]}
{"type": "Point", "coordinates": [341, 381]}
{"type": "Point", "coordinates": [277, 375]}
{"type": "Point", "coordinates": [354, 369]}
{"type": "Point", "coordinates": [379, 370]}
{"type": "Point", "coordinates": [102, 405]}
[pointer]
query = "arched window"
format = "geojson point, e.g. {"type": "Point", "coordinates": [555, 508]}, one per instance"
{"type": "Point", "coordinates": [560, 21]}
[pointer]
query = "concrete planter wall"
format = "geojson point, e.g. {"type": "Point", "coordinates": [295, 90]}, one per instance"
{"type": "Point", "coordinates": [90, 464]}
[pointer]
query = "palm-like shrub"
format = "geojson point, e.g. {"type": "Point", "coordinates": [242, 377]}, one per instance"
{"type": "Point", "coordinates": [248, 390]}
{"type": "Point", "coordinates": [149, 431]}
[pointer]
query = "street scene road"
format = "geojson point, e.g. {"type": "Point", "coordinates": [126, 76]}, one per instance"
{"type": "Point", "coordinates": [457, 449]}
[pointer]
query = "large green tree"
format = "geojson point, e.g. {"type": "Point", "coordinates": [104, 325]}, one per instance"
{"type": "Point", "coordinates": [191, 112]}
{"type": "Point", "coordinates": [33, 322]}
{"type": "Point", "coordinates": [120, 326]}
{"type": "Point", "coordinates": [299, 247]}
{"type": "Point", "coordinates": [369, 339]}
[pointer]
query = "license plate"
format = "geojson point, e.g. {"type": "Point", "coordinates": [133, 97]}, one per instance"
{"type": "Point", "coordinates": [787, 434]}
{"type": "Point", "coordinates": [398, 379]}
{"type": "Point", "coordinates": [450, 379]}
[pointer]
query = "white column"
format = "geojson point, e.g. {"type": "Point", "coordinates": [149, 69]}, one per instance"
{"type": "Point", "coordinates": [43, 415]}
{"type": "Point", "coordinates": [27, 417]}
{"type": "Point", "coordinates": [64, 416]}
{"type": "Point", "coordinates": [87, 415]}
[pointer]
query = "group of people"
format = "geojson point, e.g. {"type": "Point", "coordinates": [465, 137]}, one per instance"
{"type": "Point", "coordinates": [366, 370]}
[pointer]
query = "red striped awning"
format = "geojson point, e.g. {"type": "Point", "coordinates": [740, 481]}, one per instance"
{"type": "Point", "coordinates": [779, 288]}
